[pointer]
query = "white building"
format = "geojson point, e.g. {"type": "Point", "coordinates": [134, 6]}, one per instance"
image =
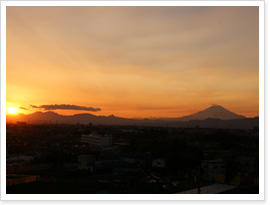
{"type": "Point", "coordinates": [212, 166]}
{"type": "Point", "coordinates": [95, 140]}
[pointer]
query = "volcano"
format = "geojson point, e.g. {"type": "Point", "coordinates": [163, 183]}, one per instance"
{"type": "Point", "coordinates": [215, 112]}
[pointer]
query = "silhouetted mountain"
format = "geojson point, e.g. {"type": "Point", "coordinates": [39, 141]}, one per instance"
{"type": "Point", "coordinates": [54, 118]}
{"type": "Point", "coordinates": [215, 111]}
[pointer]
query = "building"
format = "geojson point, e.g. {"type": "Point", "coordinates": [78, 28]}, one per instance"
{"type": "Point", "coordinates": [13, 179]}
{"type": "Point", "coordinates": [86, 162]}
{"type": "Point", "coordinates": [86, 159]}
{"type": "Point", "coordinates": [246, 162]}
{"type": "Point", "coordinates": [211, 167]}
{"type": "Point", "coordinates": [160, 163]}
{"type": "Point", "coordinates": [95, 140]}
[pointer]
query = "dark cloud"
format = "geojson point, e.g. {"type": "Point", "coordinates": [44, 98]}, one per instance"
{"type": "Point", "coordinates": [23, 108]}
{"type": "Point", "coordinates": [65, 107]}
{"type": "Point", "coordinates": [33, 106]}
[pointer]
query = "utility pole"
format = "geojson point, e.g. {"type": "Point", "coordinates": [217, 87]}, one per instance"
{"type": "Point", "coordinates": [198, 180]}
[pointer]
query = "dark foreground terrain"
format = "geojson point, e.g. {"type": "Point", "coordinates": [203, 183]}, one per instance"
{"type": "Point", "coordinates": [140, 160]}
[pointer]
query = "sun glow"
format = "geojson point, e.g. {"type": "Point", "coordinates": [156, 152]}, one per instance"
{"type": "Point", "coordinates": [12, 110]}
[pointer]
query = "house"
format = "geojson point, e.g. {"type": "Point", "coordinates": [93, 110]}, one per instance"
{"type": "Point", "coordinates": [210, 167]}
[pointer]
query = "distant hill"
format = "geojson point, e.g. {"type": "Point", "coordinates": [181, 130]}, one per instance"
{"type": "Point", "coordinates": [213, 117]}
{"type": "Point", "coordinates": [54, 118]}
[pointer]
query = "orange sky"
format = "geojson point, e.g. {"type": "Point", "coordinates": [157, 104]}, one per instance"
{"type": "Point", "coordinates": [133, 61]}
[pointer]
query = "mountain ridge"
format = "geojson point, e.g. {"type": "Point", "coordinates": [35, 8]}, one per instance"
{"type": "Point", "coordinates": [205, 118]}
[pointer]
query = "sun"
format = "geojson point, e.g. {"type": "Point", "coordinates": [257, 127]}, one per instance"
{"type": "Point", "coordinates": [12, 110]}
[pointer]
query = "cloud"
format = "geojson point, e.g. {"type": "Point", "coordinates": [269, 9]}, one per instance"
{"type": "Point", "coordinates": [33, 106]}
{"type": "Point", "coordinates": [23, 108]}
{"type": "Point", "coordinates": [65, 107]}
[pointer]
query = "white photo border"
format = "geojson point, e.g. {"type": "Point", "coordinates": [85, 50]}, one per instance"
{"type": "Point", "coordinates": [121, 197]}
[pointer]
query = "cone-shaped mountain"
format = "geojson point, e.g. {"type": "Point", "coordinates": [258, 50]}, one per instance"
{"type": "Point", "coordinates": [215, 111]}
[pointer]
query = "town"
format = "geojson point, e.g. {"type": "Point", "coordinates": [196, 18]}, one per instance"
{"type": "Point", "coordinates": [92, 159]}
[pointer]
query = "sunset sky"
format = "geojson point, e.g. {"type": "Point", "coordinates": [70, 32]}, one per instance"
{"type": "Point", "coordinates": [132, 61]}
